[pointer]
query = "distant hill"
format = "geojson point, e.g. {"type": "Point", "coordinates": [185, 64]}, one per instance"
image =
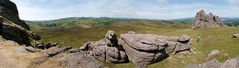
{"type": "Point", "coordinates": [91, 21]}
{"type": "Point", "coordinates": [104, 21]}
{"type": "Point", "coordinates": [190, 19]}
{"type": "Point", "coordinates": [231, 20]}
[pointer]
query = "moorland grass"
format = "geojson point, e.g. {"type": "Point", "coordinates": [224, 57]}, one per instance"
{"type": "Point", "coordinates": [210, 39]}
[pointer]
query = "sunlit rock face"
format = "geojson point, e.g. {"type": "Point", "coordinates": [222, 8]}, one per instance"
{"type": "Point", "coordinates": [203, 20]}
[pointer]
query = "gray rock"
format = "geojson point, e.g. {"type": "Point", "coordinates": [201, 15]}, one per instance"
{"type": "Point", "coordinates": [86, 46]}
{"type": "Point", "coordinates": [108, 49]}
{"type": "Point", "coordinates": [56, 50]}
{"type": "Point", "coordinates": [21, 50]}
{"type": "Point", "coordinates": [203, 20]}
{"type": "Point", "coordinates": [184, 38]}
{"type": "Point", "coordinates": [144, 49]}
{"type": "Point", "coordinates": [230, 63]}
{"type": "Point", "coordinates": [76, 60]}
{"type": "Point", "coordinates": [31, 49]}
{"type": "Point", "coordinates": [75, 50]}
{"type": "Point", "coordinates": [213, 53]}
{"type": "Point", "coordinates": [140, 49]}
{"type": "Point", "coordinates": [211, 64]}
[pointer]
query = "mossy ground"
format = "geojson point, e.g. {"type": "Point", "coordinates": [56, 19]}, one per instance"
{"type": "Point", "coordinates": [210, 39]}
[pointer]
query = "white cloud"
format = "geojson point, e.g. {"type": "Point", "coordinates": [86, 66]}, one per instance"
{"type": "Point", "coordinates": [162, 3]}
{"type": "Point", "coordinates": [161, 9]}
{"type": "Point", "coordinates": [234, 2]}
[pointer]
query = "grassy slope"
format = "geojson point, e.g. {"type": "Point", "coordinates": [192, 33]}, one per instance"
{"type": "Point", "coordinates": [211, 38]}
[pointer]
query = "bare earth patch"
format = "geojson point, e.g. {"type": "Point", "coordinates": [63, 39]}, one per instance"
{"type": "Point", "coordinates": [10, 58]}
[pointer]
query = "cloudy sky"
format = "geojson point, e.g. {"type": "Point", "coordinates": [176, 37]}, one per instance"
{"type": "Point", "coordinates": [145, 9]}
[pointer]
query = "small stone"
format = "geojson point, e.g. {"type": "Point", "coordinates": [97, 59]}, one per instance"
{"type": "Point", "coordinates": [21, 50]}
{"type": "Point", "coordinates": [235, 36]}
{"type": "Point", "coordinates": [213, 53]}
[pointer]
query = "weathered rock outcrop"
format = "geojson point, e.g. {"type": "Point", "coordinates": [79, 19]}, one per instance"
{"type": "Point", "coordinates": [109, 49]}
{"type": "Point", "coordinates": [231, 63]}
{"type": "Point", "coordinates": [141, 49]}
{"type": "Point", "coordinates": [203, 20]}
{"type": "Point", "coordinates": [12, 27]}
{"type": "Point", "coordinates": [144, 49]}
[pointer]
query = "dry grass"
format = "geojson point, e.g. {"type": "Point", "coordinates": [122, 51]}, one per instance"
{"type": "Point", "coordinates": [11, 59]}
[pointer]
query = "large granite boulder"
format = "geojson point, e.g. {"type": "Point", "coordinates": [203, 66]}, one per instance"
{"type": "Point", "coordinates": [109, 49]}
{"type": "Point", "coordinates": [203, 20]}
{"type": "Point", "coordinates": [144, 49]}
{"type": "Point", "coordinates": [12, 27]}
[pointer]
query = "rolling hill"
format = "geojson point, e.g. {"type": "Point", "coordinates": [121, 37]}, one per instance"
{"type": "Point", "coordinates": [76, 31]}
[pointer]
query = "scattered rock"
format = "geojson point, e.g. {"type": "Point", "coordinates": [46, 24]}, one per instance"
{"type": "Point", "coordinates": [203, 20]}
{"type": "Point", "coordinates": [213, 53]}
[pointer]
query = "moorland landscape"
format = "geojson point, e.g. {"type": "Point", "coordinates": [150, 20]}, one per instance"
{"type": "Point", "coordinates": [203, 41]}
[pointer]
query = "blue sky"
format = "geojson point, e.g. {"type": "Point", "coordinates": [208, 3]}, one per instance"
{"type": "Point", "coordinates": [145, 9]}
